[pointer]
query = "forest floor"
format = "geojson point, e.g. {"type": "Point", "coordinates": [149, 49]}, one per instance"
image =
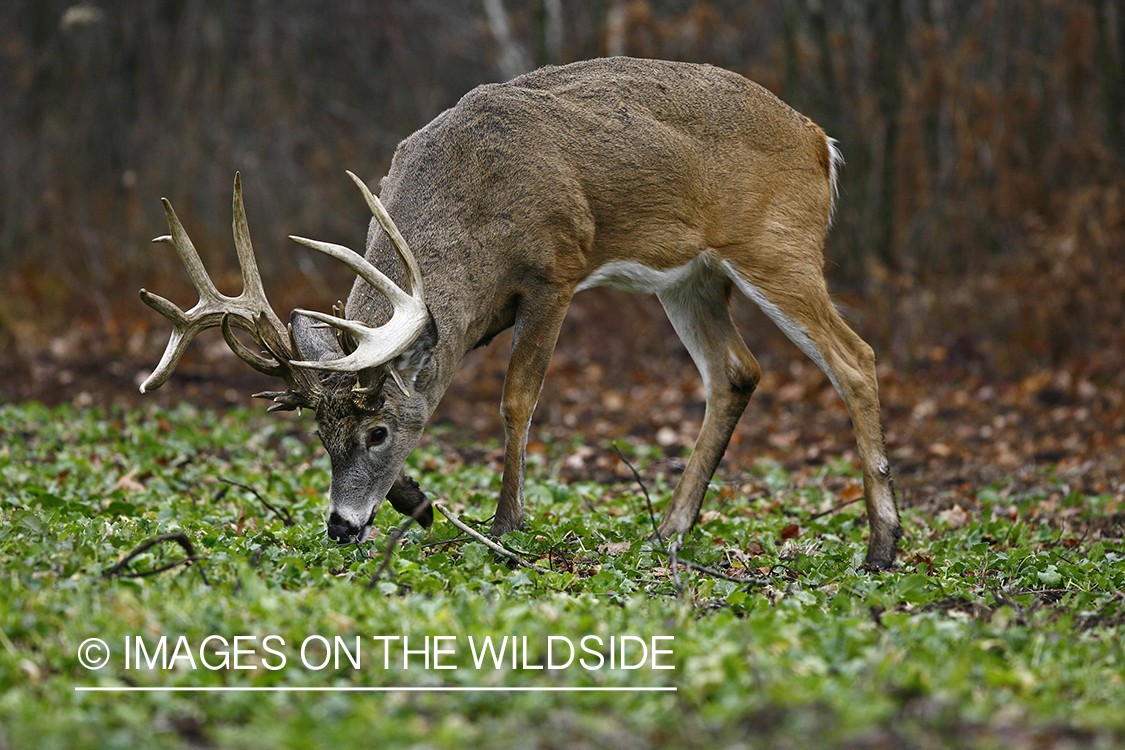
{"type": "Point", "coordinates": [1034, 462]}
{"type": "Point", "coordinates": [953, 430]}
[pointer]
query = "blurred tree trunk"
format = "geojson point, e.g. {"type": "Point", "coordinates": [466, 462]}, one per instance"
{"type": "Point", "coordinates": [968, 126]}
{"type": "Point", "coordinates": [1111, 56]}
{"type": "Point", "coordinates": [550, 32]}
{"type": "Point", "coordinates": [831, 95]}
{"type": "Point", "coordinates": [512, 59]}
{"type": "Point", "coordinates": [889, 33]}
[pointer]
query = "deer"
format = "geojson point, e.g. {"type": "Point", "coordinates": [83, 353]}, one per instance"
{"type": "Point", "coordinates": [681, 180]}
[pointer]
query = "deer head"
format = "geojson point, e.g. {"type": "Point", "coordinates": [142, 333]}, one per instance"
{"type": "Point", "coordinates": [358, 378]}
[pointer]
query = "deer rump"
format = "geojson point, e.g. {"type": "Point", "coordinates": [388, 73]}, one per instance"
{"type": "Point", "coordinates": [686, 181]}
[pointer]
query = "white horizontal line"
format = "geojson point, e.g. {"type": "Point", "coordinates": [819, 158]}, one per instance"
{"type": "Point", "coordinates": [403, 689]}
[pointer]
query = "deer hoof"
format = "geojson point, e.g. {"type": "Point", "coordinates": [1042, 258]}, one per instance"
{"type": "Point", "coordinates": [501, 526]}
{"type": "Point", "coordinates": [881, 550]}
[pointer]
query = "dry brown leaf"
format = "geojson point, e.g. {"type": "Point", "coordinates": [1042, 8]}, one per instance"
{"type": "Point", "coordinates": [128, 483]}
{"type": "Point", "coordinates": [614, 548]}
{"type": "Point", "coordinates": [955, 517]}
{"type": "Point", "coordinates": [852, 492]}
{"type": "Point", "coordinates": [941, 450]}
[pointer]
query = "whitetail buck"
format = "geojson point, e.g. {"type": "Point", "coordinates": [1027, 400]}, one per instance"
{"type": "Point", "coordinates": [681, 180]}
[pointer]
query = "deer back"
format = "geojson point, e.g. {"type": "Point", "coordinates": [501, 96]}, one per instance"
{"type": "Point", "coordinates": [543, 179]}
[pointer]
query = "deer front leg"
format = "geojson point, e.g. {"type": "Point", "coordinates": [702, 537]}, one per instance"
{"type": "Point", "coordinates": [533, 343]}
{"type": "Point", "coordinates": [408, 499]}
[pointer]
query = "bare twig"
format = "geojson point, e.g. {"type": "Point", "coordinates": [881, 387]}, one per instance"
{"type": "Point", "coordinates": [590, 505]}
{"type": "Point", "coordinates": [445, 542]}
{"type": "Point", "coordinates": [119, 570]}
{"type": "Point", "coordinates": [399, 533]}
{"type": "Point", "coordinates": [671, 550]}
{"type": "Point", "coordinates": [282, 513]}
{"type": "Point", "coordinates": [833, 509]}
{"type": "Point", "coordinates": [723, 576]}
{"type": "Point", "coordinates": [644, 491]}
{"type": "Point", "coordinates": [456, 521]}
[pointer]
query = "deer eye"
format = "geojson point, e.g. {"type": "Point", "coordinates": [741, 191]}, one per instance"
{"type": "Point", "coordinates": [376, 436]}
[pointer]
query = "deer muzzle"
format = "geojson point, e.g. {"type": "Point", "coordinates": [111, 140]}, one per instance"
{"type": "Point", "coordinates": [342, 531]}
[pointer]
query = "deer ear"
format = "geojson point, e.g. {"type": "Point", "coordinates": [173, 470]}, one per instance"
{"type": "Point", "coordinates": [410, 362]}
{"type": "Point", "coordinates": [313, 343]}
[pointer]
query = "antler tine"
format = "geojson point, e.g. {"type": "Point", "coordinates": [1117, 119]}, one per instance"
{"type": "Point", "coordinates": [369, 273]}
{"type": "Point", "coordinates": [265, 365]}
{"type": "Point", "coordinates": [252, 289]}
{"type": "Point", "coordinates": [374, 346]}
{"type": "Point", "coordinates": [213, 307]}
{"type": "Point", "coordinates": [379, 211]}
{"type": "Point", "coordinates": [185, 326]}
{"type": "Point", "coordinates": [304, 387]}
{"type": "Point", "coordinates": [343, 338]}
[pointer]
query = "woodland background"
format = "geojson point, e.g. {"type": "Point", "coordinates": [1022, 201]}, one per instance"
{"type": "Point", "coordinates": [979, 244]}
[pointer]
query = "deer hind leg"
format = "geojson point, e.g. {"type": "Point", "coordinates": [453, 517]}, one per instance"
{"type": "Point", "coordinates": [806, 315]}
{"type": "Point", "coordinates": [700, 313]}
{"type": "Point", "coordinates": [535, 333]}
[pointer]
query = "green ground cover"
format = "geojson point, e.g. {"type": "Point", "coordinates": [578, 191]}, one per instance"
{"type": "Point", "coordinates": [999, 628]}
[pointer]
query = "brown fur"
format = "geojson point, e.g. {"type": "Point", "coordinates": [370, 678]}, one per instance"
{"type": "Point", "coordinates": [524, 190]}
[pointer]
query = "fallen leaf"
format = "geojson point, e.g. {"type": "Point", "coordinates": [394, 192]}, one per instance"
{"type": "Point", "coordinates": [613, 401]}
{"type": "Point", "coordinates": [784, 440]}
{"type": "Point", "coordinates": [850, 493]}
{"type": "Point", "coordinates": [792, 531]}
{"type": "Point", "coordinates": [614, 548]}
{"type": "Point", "coordinates": [941, 450]}
{"type": "Point", "coordinates": [128, 483]}
{"type": "Point", "coordinates": [791, 392]}
{"type": "Point", "coordinates": [956, 517]}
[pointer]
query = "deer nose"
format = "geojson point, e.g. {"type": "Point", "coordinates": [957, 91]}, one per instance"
{"type": "Point", "coordinates": [341, 531]}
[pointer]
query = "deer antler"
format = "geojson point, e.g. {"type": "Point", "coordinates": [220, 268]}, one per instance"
{"type": "Point", "coordinates": [249, 311]}
{"type": "Point", "coordinates": [375, 346]}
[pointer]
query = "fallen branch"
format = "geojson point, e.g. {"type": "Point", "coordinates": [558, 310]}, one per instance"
{"type": "Point", "coordinates": [282, 513]}
{"type": "Point", "coordinates": [181, 539]}
{"type": "Point", "coordinates": [462, 526]}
